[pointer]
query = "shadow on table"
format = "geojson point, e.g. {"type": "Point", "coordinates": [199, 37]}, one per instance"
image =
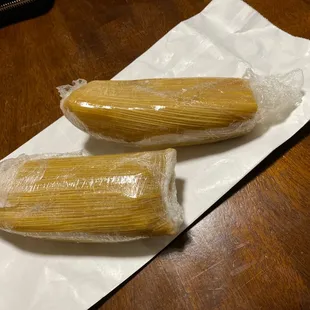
{"type": "Point", "coordinates": [94, 146]}
{"type": "Point", "coordinates": [25, 11]}
{"type": "Point", "coordinates": [101, 147]}
{"type": "Point", "coordinates": [136, 248]}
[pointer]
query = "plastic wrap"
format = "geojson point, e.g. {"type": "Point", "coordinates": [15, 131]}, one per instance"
{"type": "Point", "coordinates": [179, 111]}
{"type": "Point", "coordinates": [90, 198]}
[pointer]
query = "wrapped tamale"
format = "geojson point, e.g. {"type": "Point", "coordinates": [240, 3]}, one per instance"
{"type": "Point", "coordinates": [90, 198]}
{"type": "Point", "coordinates": [174, 111]}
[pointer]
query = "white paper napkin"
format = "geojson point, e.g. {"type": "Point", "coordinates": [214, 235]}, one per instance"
{"type": "Point", "coordinates": [222, 40]}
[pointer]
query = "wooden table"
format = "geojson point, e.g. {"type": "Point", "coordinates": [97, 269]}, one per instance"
{"type": "Point", "coordinates": [252, 249]}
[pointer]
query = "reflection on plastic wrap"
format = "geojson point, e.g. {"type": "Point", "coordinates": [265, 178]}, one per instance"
{"type": "Point", "coordinates": [179, 111]}
{"type": "Point", "coordinates": [90, 198]}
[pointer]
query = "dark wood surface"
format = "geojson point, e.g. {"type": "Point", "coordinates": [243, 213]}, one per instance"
{"type": "Point", "coordinates": [252, 250]}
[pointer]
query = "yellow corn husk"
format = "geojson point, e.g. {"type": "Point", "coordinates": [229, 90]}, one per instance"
{"type": "Point", "coordinates": [163, 112]}
{"type": "Point", "coordinates": [95, 198]}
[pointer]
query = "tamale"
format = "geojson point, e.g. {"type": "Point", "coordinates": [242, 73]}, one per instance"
{"type": "Point", "coordinates": [163, 112]}
{"type": "Point", "coordinates": [90, 198]}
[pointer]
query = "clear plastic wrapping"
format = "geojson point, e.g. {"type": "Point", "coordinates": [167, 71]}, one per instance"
{"type": "Point", "coordinates": [179, 111]}
{"type": "Point", "coordinates": [90, 198]}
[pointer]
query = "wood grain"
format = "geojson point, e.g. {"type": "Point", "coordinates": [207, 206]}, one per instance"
{"type": "Point", "coordinates": [252, 249]}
